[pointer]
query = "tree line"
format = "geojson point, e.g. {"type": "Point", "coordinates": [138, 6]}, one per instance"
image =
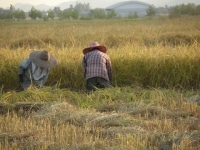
{"type": "Point", "coordinates": [189, 9]}
{"type": "Point", "coordinates": [84, 11]}
{"type": "Point", "coordinates": [79, 11]}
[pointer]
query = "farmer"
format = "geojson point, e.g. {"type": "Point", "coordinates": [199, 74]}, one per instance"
{"type": "Point", "coordinates": [35, 69]}
{"type": "Point", "coordinates": [96, 66]}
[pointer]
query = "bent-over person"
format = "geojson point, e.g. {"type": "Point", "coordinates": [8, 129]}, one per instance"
{"type": "Point", "coordinates": [35, 69]}
{"type": "Point", "coordinates": [97, 67]}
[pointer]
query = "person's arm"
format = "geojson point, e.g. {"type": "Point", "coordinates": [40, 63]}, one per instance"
{"type": "Point", "coordinates": [22, 67]}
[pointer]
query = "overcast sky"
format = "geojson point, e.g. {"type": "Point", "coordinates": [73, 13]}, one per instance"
{"type": "Point", "coordinates": [93, 3]}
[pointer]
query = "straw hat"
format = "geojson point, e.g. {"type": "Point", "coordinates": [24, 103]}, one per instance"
{"type": "Point", "coordinates": [94, 45]}
{"type": "Point", "coordinates": [43, 59]}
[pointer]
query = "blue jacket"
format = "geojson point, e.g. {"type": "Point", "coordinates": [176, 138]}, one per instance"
{"type": "Point", "coordinates": [25, 69]}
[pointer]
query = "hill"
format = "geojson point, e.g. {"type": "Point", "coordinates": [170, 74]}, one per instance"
{"type": "Point", "coordinates": [97, 4]}
{"type": "Point", "coordinates": [26, 7]}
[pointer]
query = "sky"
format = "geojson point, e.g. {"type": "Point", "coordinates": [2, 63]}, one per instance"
{"type": "Point", "coordinates": [93, 3]}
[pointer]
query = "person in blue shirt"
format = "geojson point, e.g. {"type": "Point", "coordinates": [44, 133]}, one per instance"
{"type": "Point", "coordinates": [35, 69]}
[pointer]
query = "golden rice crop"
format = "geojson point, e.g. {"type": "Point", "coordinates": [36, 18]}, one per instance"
{"type": "Point", "coordinates": [155, 53]}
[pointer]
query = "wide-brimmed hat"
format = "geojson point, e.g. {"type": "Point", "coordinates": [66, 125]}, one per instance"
{"type": "Point", "coordinates": [43, 59]}
{"type": "Point", "coordinates": [94, 45]}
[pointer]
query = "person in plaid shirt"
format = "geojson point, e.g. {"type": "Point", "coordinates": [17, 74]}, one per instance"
{"type": "Point", "coordinates": [97, 67]}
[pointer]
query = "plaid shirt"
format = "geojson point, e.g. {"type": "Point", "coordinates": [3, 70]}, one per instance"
{"type": "Point", "coordinates": [97, 64]}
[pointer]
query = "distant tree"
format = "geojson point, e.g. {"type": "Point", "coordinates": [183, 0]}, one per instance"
{"type": "Point", "coordinates": [132, 15]}
{"type": "Point", "coordinates": [191, 8]}
{"type": "Point", "coordinates": [75, 14]}
{"type": "Point", "coordinates": [175, 11]}
{"type": "Point", "coordinates": [12, 13]}
{"type": "Point", "coordinates": [82, 7]}
{"type": "Point", "coordinates": [69, 13]}
{"type": "Point", "coordinates": [5, 14]}
{"type": "Point", "coordinates": [1, 13]}
{"type": "Point", "coordinates": [51, 14]}
{"type": "Point", "coordinates": [198, 10]}
{"type": "Point", "coordinates": [12, 8]}
{"type": "Point", "coordinates": [19, 14]}
{"type": "Point", "coordinates": [34, 13]}
{"type": "Point", "coordinates": [57, 11]}
{"type": "Point", "coordinates": [8, 14]}
{"type": "Point", "coordinates": [182, 9]}
{"type": "Point", "coordinates": [178, 10]}
{"type": "Point", "coordinates": [151, 11]}
{"type": "Point", "coordinates": [99, 13]}
{"type": "Point", "coordinates": [111, 14]}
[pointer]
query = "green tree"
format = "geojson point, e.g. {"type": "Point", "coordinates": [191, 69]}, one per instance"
{"type": "Point", "coordinates": [82, 7]}
{"type": "Point", "coordinates": [10, 13]}
{"type": "Point", "coordinates": [191, 8]}
{"type": "Point", "coordinates": [151, 11]}
{"type": "Point", "coordinates": [182, 9]}
{"type": "Point", "coordinates": [198, 10]}
{"type": "Point", "coordinates": [12, 8]}
{"type": "Point", "coordinates": [111, 14]}
{"type": "Point", "coordinates": [34, 13]}
{"type": "Point", "coordinates": [99, 13]}
{"type": "Point", "coordinates": [132, 15]}
{"type": "Point", "coordinates": [19, 14]}
{"type": "Point", "coordinates": [175, 11]}
{"type": "Point", "coordinates": [5, 14]}
{"type": "Point", "coordinates": [69, 13]}
{"type": "Point", "coordinates": [51, 14]}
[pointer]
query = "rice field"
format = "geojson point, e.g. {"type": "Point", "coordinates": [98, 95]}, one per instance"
{"type": "Point", "coordinates": [153, 104]}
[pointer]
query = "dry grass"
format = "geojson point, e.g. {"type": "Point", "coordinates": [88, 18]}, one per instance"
{"type": "Point", "coordinates": [154, 103]}
{"type": "Point", "coordinates": [103, 120]}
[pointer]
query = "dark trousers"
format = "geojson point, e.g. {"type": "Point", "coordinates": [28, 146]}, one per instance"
{"type": "Point", "coordinates": [97, 82]}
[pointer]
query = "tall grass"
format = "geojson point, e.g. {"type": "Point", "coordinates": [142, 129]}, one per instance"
{"type": "Point", "coordinates": [155, 52]}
